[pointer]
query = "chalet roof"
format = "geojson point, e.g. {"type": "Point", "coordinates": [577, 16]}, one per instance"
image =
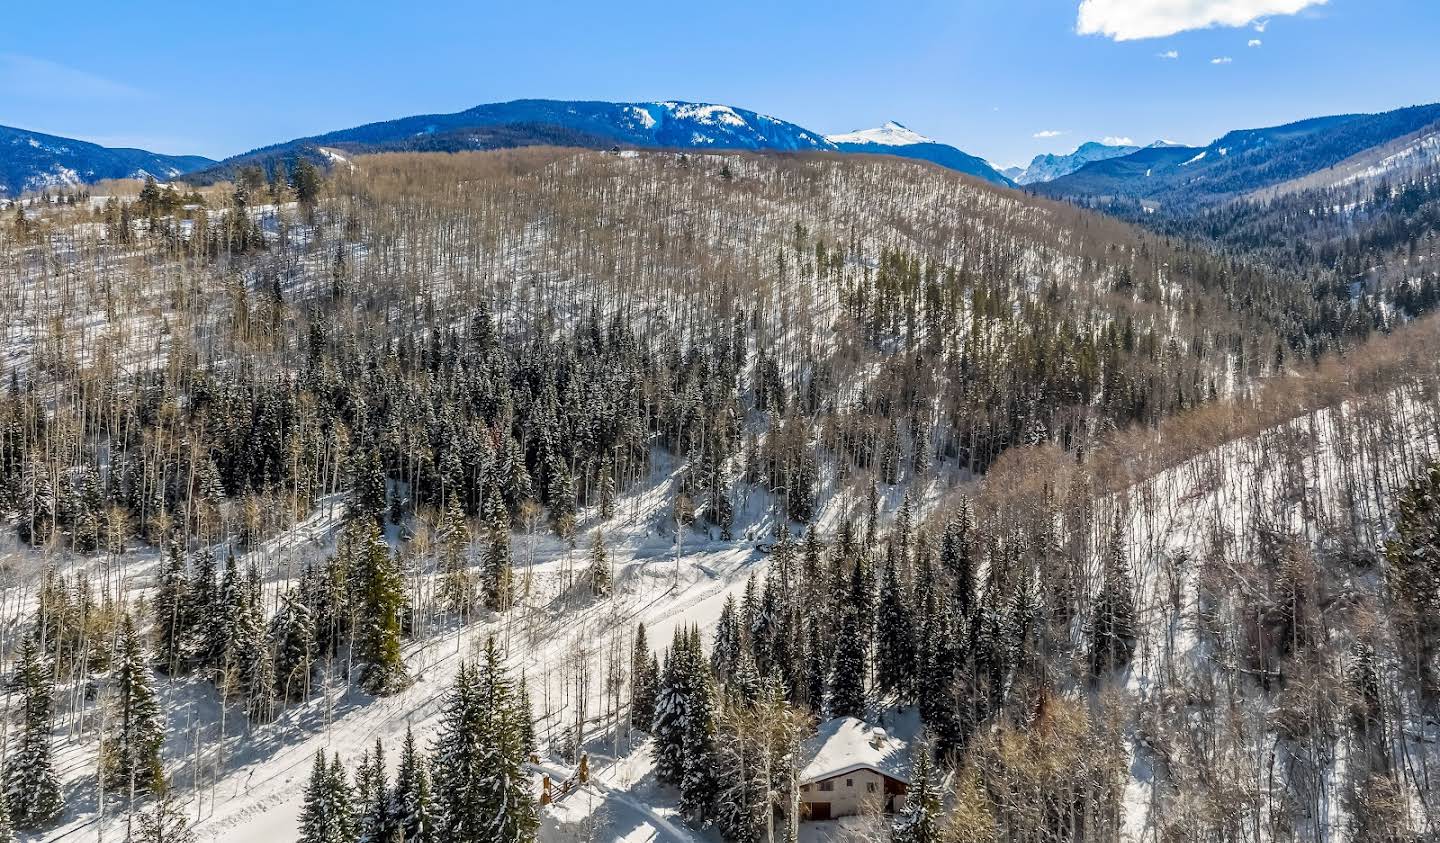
{"type": "Point", "coordinates": [845, 744]}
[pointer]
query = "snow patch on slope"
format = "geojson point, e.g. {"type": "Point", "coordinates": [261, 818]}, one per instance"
{"type": "Point", "coordinates": [890, 134]}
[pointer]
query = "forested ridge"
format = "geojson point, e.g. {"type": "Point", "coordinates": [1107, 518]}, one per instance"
{"type": "Point", "coordinates": [976, 451]}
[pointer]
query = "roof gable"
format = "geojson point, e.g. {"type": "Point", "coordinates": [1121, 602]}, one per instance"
{"type": "Point", "coordinates": [846, 744]}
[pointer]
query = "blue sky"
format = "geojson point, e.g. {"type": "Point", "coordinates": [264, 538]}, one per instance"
{"type": "Point", "coordinates": [994, 77]}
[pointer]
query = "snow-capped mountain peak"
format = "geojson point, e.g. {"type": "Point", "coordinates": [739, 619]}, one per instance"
{"type": "Point", "coordinates": [890, 134]}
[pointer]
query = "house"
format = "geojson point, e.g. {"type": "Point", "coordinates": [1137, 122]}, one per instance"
{"type": "Point", "coordinates": [853, 768]}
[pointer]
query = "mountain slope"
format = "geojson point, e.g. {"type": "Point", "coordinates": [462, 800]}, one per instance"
{"type": "Point", "coordinates": [670, 124]}
{"type": "Point", "coordinates": [33, 161]}
{"type": "Point", "coordinates": [1238, 163]}
{"type": "Point", "coordinates": [895, 139]}
{"type": "Point", "coordinates": [1050, 167]}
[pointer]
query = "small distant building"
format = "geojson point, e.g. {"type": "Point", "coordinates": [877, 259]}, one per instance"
{"type": "Point", "coordinates": [853, 769]}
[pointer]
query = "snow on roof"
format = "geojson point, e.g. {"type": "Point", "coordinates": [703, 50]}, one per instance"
{"type": "Point", "coordinates": [845, 744]}
{"type": "Point", "coordinates": [891, 134]}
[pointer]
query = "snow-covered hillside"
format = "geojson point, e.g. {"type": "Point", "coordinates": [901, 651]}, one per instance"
{"type": "Point", "coordinates": [32, 161]}
{"type": "Point", "coordinates": [890, 134]}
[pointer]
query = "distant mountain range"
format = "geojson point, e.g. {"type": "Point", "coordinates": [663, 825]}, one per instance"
{"type": "Point", "coordinates": [1050, 167]}
{"type": "Point", "coordinates": [895, 139]}
{"type": "Point", "coordinates": [35, 161]}
{"type": "Point", "coordinates": [1164, 175]}
{"type": "Point", "coordinates": [669, 124]}
{"type": "Point", "coordinates": [1177, 179]}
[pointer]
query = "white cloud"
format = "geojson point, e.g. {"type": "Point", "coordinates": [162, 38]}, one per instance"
{"type": "Point", "coordinates": [1130, 20]}
{"type": "Point", "coordinates": [1222, 60]}
{"type": "Point", "coordinates": [1114, 141]}
{"type": "Point", "coordinates": [1261, 24]}
{"type": "Point", "coordinates": [42, 78]}
{"type": "Point", "coordinates": [1255, 42]}
{"type": "Point", "coordinates": [1048, 133]}
{"type": "Point", "coordinates": [1170, 54]}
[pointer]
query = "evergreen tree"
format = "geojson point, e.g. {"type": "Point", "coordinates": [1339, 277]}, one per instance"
{"type": "Point", "coordinates": [481, 790]}
{"type": "Point", "coordinates": [367, 494]}
{"type": "Point", "coordinates": [698, 783]}
{"type": "Point", "coordinates": [726, 647]}
{"type": "Point", "coordinates": [1113, 629]}
{"type": "Point", "coordinates": [132, 748]}
{"type": "Point", "coordinates": [373, 800]}
{"type": "Point", "coordinates": [894, 639]}
{"type": "Point", "coordinates": [671, 700]}
{"type": "Point", "coordinates": [643, 682]}
{"type": "Point", "coordinates": [504, 788]}
{"type": "Point", "coordinates": [172, 596]}
{"type": "Point", "coordinates": [920, 820]}
{"type": "Point", "coordinates": [292, 631]}
{"type": "Point", "coordinates": [458, 591]}
{"type": "Point", "coordinates": [600, 576]}
{"type": "Point", "coordinates": [32, 789]}
{"type": "Point", "coordinates": [497, 583]}
{"type": "Point", "coordinates": [328, 814]}
{"type": "Point", "coordinates": [380, 589]}
{"type": "Point", "coordinates": [847, 682]}
{"type": "Point", "coordinates": [306, 181]}
{"type": "Point", "coordinates": [410, 800]}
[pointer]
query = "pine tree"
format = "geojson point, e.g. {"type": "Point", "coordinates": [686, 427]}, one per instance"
{"type": "Point", "coordinates": [497, 584]}
{"type": "Point", "coordinates": [328, 814]}
{"type": "Point", "coordinates": [457, 760]}
{"type": "Point", "coordinates": [292, 631]}
{"type": "Point", "coordinates": [894, 640]}
{"type": "Point", "coordinates": [457, 588]}
{"type": "Point", "coordinates": [132, 748]}
{"type": "Point", "coordinates": [920, 820]}
{"type": "Point", "coordinates": [643, 682]}
{"type": "Point", "coordinates": [7, 829]}
{"type": "Point", "coordinates": [607, 489]}
{"type": "Point", "coordinates": [671, 702]}
{"type": "Point", "coordinates": [600, 577]}
{"type": "Point", "coordinates": [373, 799]}
{"type": "Point", "coordinates": [726, 647]}
{"type": "Point", "coordinates": [504, 788]}
{"type": "Point", "coordinates": [367, 494]}
{"type": "Point", "coordinates": [410, 800]}
{"type": "Point", "coordinates": [1113, 627]}
{"type": "Point", "coordinates": [481, 790]}
{"type": "Point", "coordinates": [698, 783]}
{"type": "Point", "coordinates": [172, 596]}
{"type": "Point", "coordinates": [380, 589]}
{"type": "Point", "coordinates": [32, 790]}
{"type": "Point", "coordinates": [847, 682]}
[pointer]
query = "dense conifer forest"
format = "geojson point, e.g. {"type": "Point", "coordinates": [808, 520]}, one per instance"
{"type": "Point", "coordinates": [1137, 526]}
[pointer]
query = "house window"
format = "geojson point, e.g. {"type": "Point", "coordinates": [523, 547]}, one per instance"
{"type": "Point", "coordinates": [869, 787]}
{"type": "Point", "coordinates": [826, 787]}
{"type": "Point", "coordinates": [849, 782]}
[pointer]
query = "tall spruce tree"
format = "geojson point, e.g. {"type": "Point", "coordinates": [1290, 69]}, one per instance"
{"type": "Point", "coordinates": [847, 681]}
{"type": "Point", "coordinates": [136, 730]}
{"type": "Point", "coordinates": [1113, 626]}
{"type": "Point", "coordinates": [497, 578]}
{"type": "Point", "coordinates": [600, 576]}
{"type": "Point", "coordinates": [169, 611]}
{"type": "Point", "coordinates": [32, 789]}
{"type": "Point", "coordinates": [380, 589]}
{"type": "Point", "coordinates": [328, 813]}
{"type": "Point", "coordinates": [894, 637]}
{"type": "Point", "coordinates": [642, 682]}
{"type": "Point", "coordinates": [410, 800]}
